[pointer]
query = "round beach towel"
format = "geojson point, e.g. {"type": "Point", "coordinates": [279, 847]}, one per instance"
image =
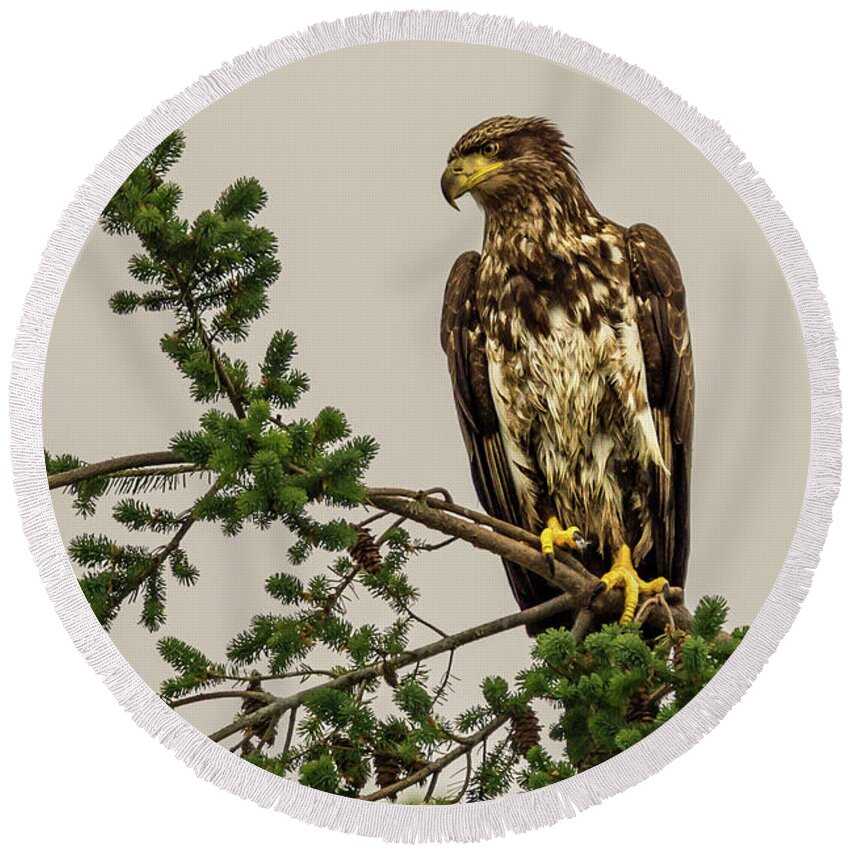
{"type": "Point", "coordinates": [432, 429]}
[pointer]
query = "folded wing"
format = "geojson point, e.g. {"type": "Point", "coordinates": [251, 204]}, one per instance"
{"type": "Point", "coordinates": [464, 343]}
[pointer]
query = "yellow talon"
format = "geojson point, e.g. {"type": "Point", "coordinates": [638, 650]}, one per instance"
{"type": "Point", "coordinates": [623, 574]}
{"type": "Point", "coordinates": [555, 535]}
{"type": "Point", "coordinates": [547, 541]}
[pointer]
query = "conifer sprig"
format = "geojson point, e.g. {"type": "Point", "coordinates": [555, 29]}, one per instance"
{"type": "Point", "coordinates": [213, 275]}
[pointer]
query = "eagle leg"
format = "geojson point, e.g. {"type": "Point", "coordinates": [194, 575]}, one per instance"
{"type": "Point", "coordinates": [623, 574]}
{"type": "Point", "coordinates": [555, 535]}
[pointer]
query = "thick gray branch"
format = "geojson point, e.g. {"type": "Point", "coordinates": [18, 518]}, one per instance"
{"type": "Point", "coordinates": [111, 466]}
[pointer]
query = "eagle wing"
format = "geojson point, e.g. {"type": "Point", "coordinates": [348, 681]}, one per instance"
{"type": "Point", "coordinates": [656, 281]}
{"type": "Point", "coordinates": [464, 343]}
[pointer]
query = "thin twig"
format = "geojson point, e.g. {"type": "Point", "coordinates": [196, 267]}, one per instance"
{"type": "Point", "coordinates": [447, 497]}
{"type": "Point", "coordinates": [444, 682]}
{"type": "Point", "coordinates": [162, 554]}
{"type": "Point", "coordinates": [666, 606]}
{"type": "Point", "coordinates": [460, 794]}
{"type": "Point", "coordinates": [433, 547]}
{"type": "Point", "coordinates": [389, 529]}
{"type": "Point", "coordinates": [207, 695]}
{"type": "Point", "coordinates": [332, 600]}
{"type": "Point", "coordinates": [370, 519]}
{"type": "Point", "coordinates": [290, 731]}
{"type": "Point", "coordinates": [431, 786]}
{"type": "Point", "coordinates": [660, 692]}
{"type": "Point", "coordinates": [221, 373]}
{"type": "Point", "coordinates": [422, 621]}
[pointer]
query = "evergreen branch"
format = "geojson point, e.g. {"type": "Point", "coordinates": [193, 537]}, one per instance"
{"type": "Point", "coordinates": [404, 659]}
{"type": "Point", "coordinates": [161, 556]}
{"type": "Point", "coordinates": [209, 346]}
{"type": "Point", "coordinates": [440, 764]}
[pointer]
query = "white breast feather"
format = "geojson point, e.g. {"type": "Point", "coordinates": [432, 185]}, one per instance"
{"type": "Point", "coordinates": [551, 387]}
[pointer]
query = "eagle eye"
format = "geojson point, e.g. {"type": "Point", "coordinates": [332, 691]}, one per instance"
{"type": "Point", "coordinates": [490, 149]}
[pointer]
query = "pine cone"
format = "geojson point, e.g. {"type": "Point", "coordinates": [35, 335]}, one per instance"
{"type": "Point", "coordinates": [677, 652]}
{"type": "Point", "coordinates": [639, 708]}
{"type": "Point", "coordinates": [387, 768]}
{"type": "Point", "coordinates": [265, 731]}
{"type": "Point", "coordinates": [526, 730]}
{"type": "Point", "coordinates": [365, 552]}
{"type": "Point", "coordinates": [252, 704]}
{"type": "Point", "coordinates": [417, 764]}
{"type": "Point", "coordinates": [390, 674]}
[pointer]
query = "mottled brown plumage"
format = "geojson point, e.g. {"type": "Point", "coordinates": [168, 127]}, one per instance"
{"type": "Point", "coordinates": [569, 352]}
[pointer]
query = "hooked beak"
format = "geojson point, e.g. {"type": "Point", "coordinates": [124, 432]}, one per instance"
{"type": "Point", "coordinates": [465, 173]}
{"type": "Point", "coordinates": [450, 184]}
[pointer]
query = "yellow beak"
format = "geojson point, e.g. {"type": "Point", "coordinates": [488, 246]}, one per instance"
{"type": "Point", "coordinates": [464, 173]}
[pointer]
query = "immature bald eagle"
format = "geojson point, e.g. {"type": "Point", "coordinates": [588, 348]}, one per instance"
{"type": "Point", "coordinates": [570, 357]}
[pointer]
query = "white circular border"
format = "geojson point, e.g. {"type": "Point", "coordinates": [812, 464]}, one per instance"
{"type": "Point", "coordinates": [518, 812]}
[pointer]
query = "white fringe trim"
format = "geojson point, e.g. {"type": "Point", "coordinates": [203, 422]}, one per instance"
{"type": "Point", "coordinates": [424, 823]}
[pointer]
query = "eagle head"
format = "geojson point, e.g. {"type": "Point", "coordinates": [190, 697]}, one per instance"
{"type": "Point", "coordinates": [502, 156]}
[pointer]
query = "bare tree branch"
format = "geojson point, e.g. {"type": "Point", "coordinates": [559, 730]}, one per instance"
{"type": "Point", "coordinates": [583, 624]}
{"type": "Point", "coordinates": [290, 732]}
{"type": "Point", "coordinates": [466, 779]}
{"type": "Point", "coordinates": [207, 695]}
{"type": "Point", "coordinates": [111, 466]}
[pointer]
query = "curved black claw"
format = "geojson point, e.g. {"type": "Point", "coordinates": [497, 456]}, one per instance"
{"type": "Point", "coordinates": [597, 590]}
{"type": "Point", "coordinates": [550, 559]}
{"type": "Point", "coordinates": [668, 592]}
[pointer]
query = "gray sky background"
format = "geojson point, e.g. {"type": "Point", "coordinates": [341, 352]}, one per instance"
{"type": "Point", "coordinates": [350, 146]}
